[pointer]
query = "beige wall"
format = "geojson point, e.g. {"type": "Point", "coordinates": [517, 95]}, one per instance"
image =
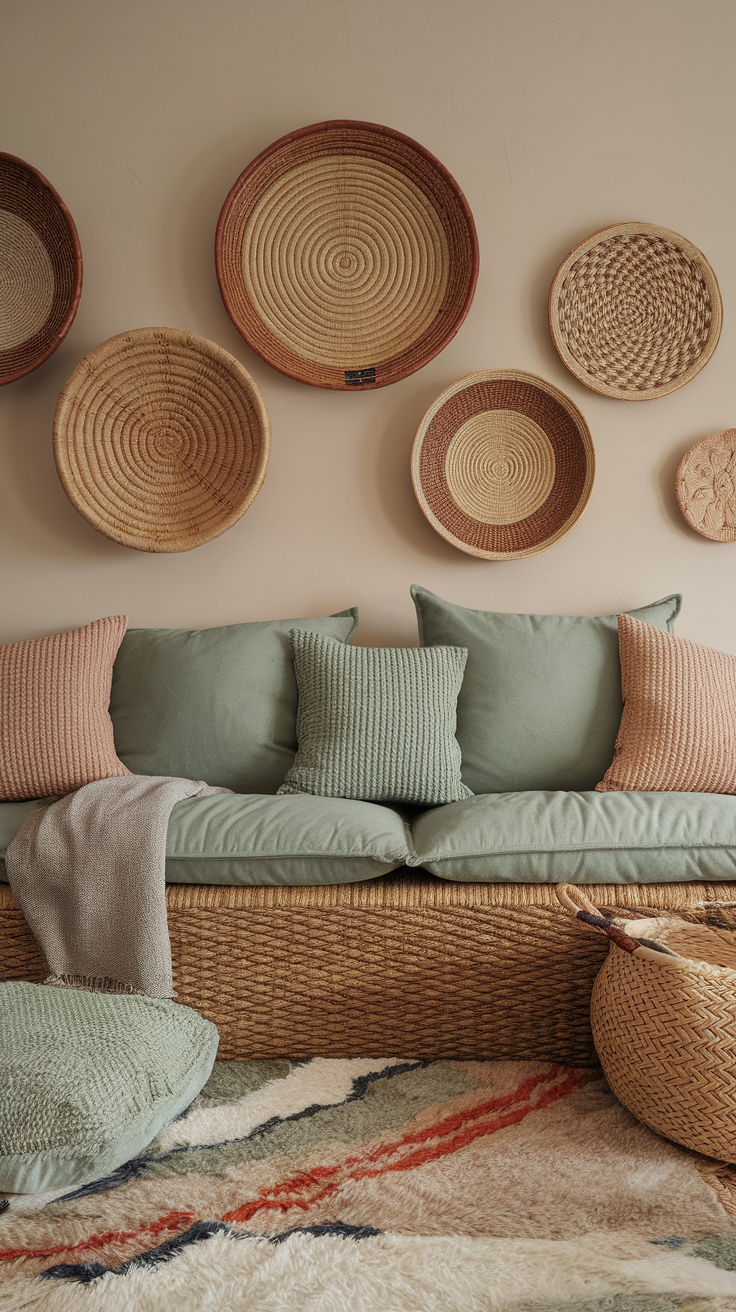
{"type": "Point", "coordinates": [557, 117]}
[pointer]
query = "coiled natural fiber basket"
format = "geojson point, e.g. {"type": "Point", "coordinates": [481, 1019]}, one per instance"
{"type": "Point", "coordinates": [635, 311]}
{"type": "Point", "coordinates": [663, 1016]}
{"type": "Point", "coordinates": [705, 486]}
{"type": "Point", "coordinates": [503, 464]}
{"type": "Point", "coordinates": [161, 439]}
{"type": "Point", "coordinates": [40, 269]}
{"type": "Point", "coordinates": [346, 255]}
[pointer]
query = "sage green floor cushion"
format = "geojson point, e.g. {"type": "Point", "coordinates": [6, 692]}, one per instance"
{"type": "Point", "coordinates": [580, 838]}
{"type": "Point", "coordinates": [88, 1079]}
{"type": "Point", "coordinates": [256, 838]}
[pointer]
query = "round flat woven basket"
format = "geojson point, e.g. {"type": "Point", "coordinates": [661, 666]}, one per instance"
{"type": "Point", "coordinates": [635, 311]}
{"type": "Point", "coordinates": [346, 255]}
{"type": "Point", "coordinates": [663, 1016]}
{"type": "Point", "coordinates": [705, 486]}
{"type": "Point", "coordinates": [161, 439]}
{"type": "Point", "coordinates": [40, 269]}
{"type": "Point", "coordinates": [503, 464]}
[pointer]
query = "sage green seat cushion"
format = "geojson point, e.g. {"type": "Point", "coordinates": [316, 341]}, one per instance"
{"type": "Point", "coordinates": [214, 704]}
{"type": "Point", "coordinates": [376, 723]}
{"type": "Point", "coordinates": [88, 1079]}
{"type": "Point", "coordinates": [580, 838]}
{"type": "Point", "coordinates": [262, 839]}
{"type": "Point", "coordinates": [540, 703]}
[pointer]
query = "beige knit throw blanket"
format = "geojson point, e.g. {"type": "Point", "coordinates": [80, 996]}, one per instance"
{"type": "Point", "coordinates": [89, 874]}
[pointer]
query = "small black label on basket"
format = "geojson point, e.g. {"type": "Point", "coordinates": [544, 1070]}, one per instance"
{"type": "Point", "coordinates": [359, 377]}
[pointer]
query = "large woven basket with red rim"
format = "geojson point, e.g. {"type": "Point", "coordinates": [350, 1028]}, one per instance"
{"type": "Point", "coordinates": [346, 255]}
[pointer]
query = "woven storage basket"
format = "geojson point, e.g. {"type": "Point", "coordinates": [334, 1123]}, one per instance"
{"type": "Point", "coordinates": [705, 486]}
{"type": "Point", "coordinates": [503, 464]}
{"type": "Point", "coordinates": [346, 255]}
{"type": "Point", "coordinates": [161, 439]}
{"type": "Point", "coordinates": [405, 964]}
{"type": "Point", "coordinates": [635, 311]}
{"type": "Point", "coordinates": [40, 269]}
{"type": "Point", "coordinates": [664, 1023]}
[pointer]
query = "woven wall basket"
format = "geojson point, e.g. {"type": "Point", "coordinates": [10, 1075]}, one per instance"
{"type": "Point", "coordinates": [664, 1023]}
{"type": "Point", "coordinates": [705, 486]}
{"type": "Point", "coordinates": [161, 439]}
{"type": "Point", "coordinates": [346, 255]}
{"type": "Point", "coordinates": [40, 269]}
{"type": "Point", "coordinates": [503, 464]}
{"type": "Point", "coordinates": [635, 311]}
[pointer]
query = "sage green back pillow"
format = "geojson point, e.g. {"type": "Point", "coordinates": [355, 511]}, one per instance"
{"type": "Point", "coordinates": [214, 704]}
{"type": "Point", "coordinates": [540, 703]}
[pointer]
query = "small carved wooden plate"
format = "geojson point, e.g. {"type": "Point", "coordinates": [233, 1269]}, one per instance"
{"type": "Point", "coordinates": [705, 486]}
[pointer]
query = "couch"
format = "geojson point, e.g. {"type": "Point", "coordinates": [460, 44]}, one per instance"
{"type": "Point", "coordinates": [312, 925]}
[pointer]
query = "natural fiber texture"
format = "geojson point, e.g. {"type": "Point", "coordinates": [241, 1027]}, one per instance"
{"type": "Point", "coordinates": [161, 439]}
{"type": "Point", "coordinates": [40, 269]}
{"type": "Point", "coordinates": [405, 963]}
{"type": "Point", "coordinates": [89, 873]}
{"type": "Point", "coordinates": [678, 727]}
{"type": "Point", "coordinates": [635, 311]}
{"type": "Point", "coordinates": [376, 723]}
{"type": "Point", "coordinates": [385, 1184]}
{"type": "Point", "coordinates": [346, 255]}
{"type": "Point", "coordinates": [664, 1025]}
{"type": "Point", "coordinates": [55, 729]}
{"type": "Point", "coordinates": [503, 464]}
{"type": "Point", "coordinates": [705, 486]}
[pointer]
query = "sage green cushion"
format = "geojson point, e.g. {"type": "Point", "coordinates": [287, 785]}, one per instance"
{"type": "Point", "coordinates": [580, 838]}
{"type": "Point", "coordinates": [88, 1079]}
{"type": "Point", "coordinates": [540, 703]}
{"type": "Point", "coordinates": [262, 839]}
{"type": "Point", "coordinates": [214, 704]}
{"type": "Point", "coordinates": [376, 723]}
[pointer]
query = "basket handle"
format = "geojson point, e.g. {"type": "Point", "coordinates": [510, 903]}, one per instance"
{"type": "Point", "coordinates": [578, 905]}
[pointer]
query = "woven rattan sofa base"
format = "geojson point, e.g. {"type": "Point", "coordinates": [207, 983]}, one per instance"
{"type": "Point", "coordinates": [405, 965]}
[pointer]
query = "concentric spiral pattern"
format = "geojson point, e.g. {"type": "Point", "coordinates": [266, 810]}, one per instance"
{"type": "Point", "coordinates": [500, 466]}
{"type": "Point", "coordinates": [40, 269]}
{"type": "Point", "coordinates": [161, 439]}
{"type": "Point", "coordinates": [503, 464]}
{"type": "Point", "coordinates": [635, 311]}
{"type": "Point", "coordinates": [346, 255]}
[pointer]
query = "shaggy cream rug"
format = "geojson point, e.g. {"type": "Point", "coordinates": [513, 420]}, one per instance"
{"type": "Point", "coordinates": [386, 1186]}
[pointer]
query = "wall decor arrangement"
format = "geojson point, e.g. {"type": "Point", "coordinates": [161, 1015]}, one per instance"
{"type": "Point", "coordinates": [40, 269]}
{"type": "Point", "coordinates": [161, 439]}
{"type": "Point", "coordinates": [346, 255]}
{"type": "Point", "coordinates": [503, 464]}
{"type": "Point", "coordinates": [635, 311]}
{"type": "Point", "coordinates": [705, 486]}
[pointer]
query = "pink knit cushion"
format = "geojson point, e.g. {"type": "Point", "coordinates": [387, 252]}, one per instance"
{"type": "Point", "coordinates": [55, 729]}
{"type": "Point", "coordinates": [678, 728]}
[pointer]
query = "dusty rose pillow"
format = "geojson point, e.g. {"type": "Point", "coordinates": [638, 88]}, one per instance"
{"type": "Point", "coordinates": [55, 729]}
{"type": "Point", "coordinates": [678, 728]}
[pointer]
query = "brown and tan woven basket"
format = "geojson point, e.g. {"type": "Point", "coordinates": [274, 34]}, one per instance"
{"type": "Point", "coordinates": [346, 255]}
{"type": "Point", "coordinates": [503, 464]}
{"type": "Point", "coordinates": [161, 439]}
{"type": "Point", "coordinates": [635, 311]}
{"type": "Point", "coordinates": [40, 269]}
{"type": "Point", "coordinates": [663, 1017]}
{"type": "Point", "coordinates": [705, 486]}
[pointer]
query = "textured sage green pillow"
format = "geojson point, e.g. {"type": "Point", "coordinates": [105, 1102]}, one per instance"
{"type": "Point", "coordinates": [88, 1079]}
{"type": "Point", "coordinates": [376, 723]}
{"type": "Point", "coordinates": [214, 704]}
{"type": "Point", "coordinates": [540, 703]}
